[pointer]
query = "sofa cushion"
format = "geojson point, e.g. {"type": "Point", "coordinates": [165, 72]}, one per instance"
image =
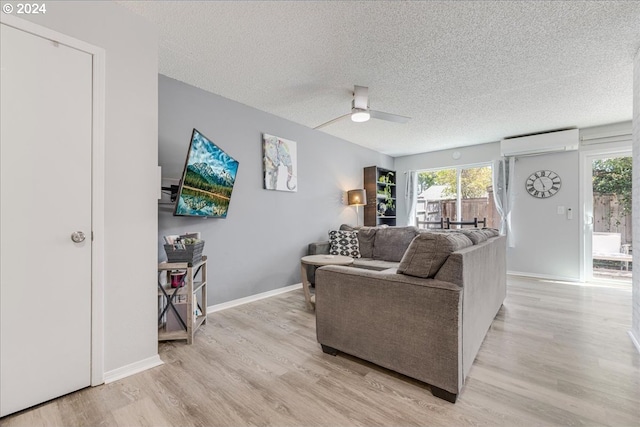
{"type": "Point", "coordinates": [374, 264]}
{"type": "Point", "coordinates": [428, 252]}
{"type": "Point", "coordinates": [344, 243]}
{"type": "Point", "coordinates": [490, 232]}
{"type": "Point", "coordinates": [366, 237]}
{"type": "Point", "coordinates": [476, 236]}
{"type": "Point", "coordinates": [391, 243]}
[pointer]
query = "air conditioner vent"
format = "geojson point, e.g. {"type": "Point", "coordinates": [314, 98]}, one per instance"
{"type": "Point", "coordinates": [542, 143]}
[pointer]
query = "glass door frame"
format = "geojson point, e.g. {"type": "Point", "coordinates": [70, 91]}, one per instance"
{"type": "Point", "coordinates": [586, 194]}
{"type": "Point", "coordinates": [459, 169]}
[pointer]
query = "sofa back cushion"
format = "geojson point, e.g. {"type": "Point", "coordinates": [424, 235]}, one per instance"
{"type": "Point", "coordinates": [366, 238]}
{"type": "Point", "coordinates": [390, 243]}
{"type": "Point", "coordinates": [490, 232]}
{"type": "Point", "coordinates": [476, 235]}
{"type": "Point", "coordinates": [428, 252]}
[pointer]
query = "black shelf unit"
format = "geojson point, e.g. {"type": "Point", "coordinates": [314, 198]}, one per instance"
{"type": "Point", "coordinates": [380, 184]}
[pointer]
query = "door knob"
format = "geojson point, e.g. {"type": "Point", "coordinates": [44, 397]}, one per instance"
{"type": "Point", "coordinates": [78, 236]}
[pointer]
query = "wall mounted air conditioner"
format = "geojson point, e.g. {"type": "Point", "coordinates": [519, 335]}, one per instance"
{"type": "Point", "coordinates": [541, 143]}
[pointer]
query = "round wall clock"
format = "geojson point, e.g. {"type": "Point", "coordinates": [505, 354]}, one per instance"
{"type": "Point", "coordinates": [543, 184]}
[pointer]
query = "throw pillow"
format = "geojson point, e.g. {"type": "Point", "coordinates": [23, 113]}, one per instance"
{"type": "Point", "coordinates": [429, 251]}
{"type": "Point", "coordinates": [490, 232]}
{"type": "Point", "coordinates": [344, 243]}
{"type": "Point", "coordinates": [476, 236]}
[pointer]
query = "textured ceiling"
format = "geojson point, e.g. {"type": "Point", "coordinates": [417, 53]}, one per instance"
{"type": "Point", "coordinates": [466, 72]}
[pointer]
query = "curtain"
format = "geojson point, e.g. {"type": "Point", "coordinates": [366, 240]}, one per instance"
{"type": "Point", "coordinates": [503, 179]}
{"type": "Point", "coordinates": [411, 196]}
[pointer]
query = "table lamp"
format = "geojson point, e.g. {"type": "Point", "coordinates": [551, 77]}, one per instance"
{"type": "Point", "coordinates": [357, 198]}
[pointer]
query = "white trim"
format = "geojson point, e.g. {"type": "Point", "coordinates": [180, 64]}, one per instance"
{"type": "Point", "coordinates": [133, 368]}
{"type": "Point", "coordinates": [98, 214]}
{"type": "Point", "coordinates": [607, 140]}
{"type": "Point", "coordinates": [544, 276]}
{"type": "Point", "coordinates": [252, 298]}
{"type": "Point", "coordinates": [586, 201]}
{"type": "Point", "coordinates": [98, 181]}
{"type": "Point", "coordinates": [634, 340]}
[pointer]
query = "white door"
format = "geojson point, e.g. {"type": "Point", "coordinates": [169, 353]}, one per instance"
{"type": "Point", "coordinates": [45, 179]}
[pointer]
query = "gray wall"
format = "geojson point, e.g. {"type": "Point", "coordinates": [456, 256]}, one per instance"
{"type": "Point", "coordinates": [635, 323]}
{"type": "Point", "coordinates": [258, 246]}
{"type": "Point", "coordinates": [130, 167]}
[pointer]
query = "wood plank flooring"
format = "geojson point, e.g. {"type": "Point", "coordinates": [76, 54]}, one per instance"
{"type": "Point", "coordinates": [557, 354]}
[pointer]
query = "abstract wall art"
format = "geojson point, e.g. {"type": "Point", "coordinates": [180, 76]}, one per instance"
{"type": "Point", "coordinates": [280, 163]}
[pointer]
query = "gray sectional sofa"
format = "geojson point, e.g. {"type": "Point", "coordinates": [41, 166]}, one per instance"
{"type": "Point", "coordinates": [418, 302]}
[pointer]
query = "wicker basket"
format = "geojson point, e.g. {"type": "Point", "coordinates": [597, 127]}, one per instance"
{"type": "Point", "coordinates": [192, 254]}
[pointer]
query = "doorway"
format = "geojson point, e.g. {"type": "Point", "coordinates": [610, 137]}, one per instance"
{"type": "Point", "coordinates": [52, 214]}
{"type": "Point", "coordinates": [608, 224]}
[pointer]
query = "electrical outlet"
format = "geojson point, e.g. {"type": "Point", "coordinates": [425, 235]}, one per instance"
{"type": "Point", "coordinates": [560, 210]}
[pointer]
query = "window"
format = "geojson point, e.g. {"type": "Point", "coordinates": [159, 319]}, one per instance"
{"type": "Point", "coordinates": [456, 194]}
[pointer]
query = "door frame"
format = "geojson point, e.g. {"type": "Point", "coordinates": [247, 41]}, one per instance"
{"type": "Point", "coordinates": [622, 149]}
{"type": "Point", "coordinates": [97, 181]}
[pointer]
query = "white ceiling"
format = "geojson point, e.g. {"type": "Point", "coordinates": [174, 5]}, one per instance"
{"type": "Point", "coordinates": [467, 72]}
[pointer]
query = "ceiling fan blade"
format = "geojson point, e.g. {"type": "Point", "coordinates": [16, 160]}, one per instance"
{"type": "Point", "coordinates": [389, 117]}
{"type": "Point", "coordinates": [332, 121]}
{"type": "Point", "coordinates": [361, 97]}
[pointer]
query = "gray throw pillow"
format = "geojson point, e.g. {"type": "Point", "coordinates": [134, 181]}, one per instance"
{"type": "Point", "coordinates": [476, 236]}
{"type": "Point", "coordinates": [344, 243]}
{"type": "Point", "coordinates": [490, 232]}
{"type": "Point", "coordinates": [429, 251]}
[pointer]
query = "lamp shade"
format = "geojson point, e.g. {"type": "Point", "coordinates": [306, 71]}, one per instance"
{"type": "Point", "coordinates": [357, 197]}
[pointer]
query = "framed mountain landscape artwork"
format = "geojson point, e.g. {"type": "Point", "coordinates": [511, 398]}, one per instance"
{"type": "Point", "coordinates": [207, 180]}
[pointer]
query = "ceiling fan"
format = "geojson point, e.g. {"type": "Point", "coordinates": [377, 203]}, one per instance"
{"type": "Point", "coordinates": [360, 111]}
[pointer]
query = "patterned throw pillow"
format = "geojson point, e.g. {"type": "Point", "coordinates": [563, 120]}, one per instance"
{"type": "Point", "coordinates": [344, 243]}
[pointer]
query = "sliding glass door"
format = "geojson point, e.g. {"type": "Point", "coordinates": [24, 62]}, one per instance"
{"type": "Point", "coordinates": [461, 194]}
{"type": "Point", "coordinates": [608, 217]}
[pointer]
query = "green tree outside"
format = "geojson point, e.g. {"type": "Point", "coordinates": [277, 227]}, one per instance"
{"type": "Point", "coordinates": [474, 181]}
{"type": "Point", "coordinates": [614, 176]}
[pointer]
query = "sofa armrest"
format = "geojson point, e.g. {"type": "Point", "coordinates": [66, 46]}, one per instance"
{"type": "Point", "coordinates": [407, 324]}
{"type": "Point", "coordinates": [319, 248]}
{"type": "Point", "coordinates": [481, 272]}
{"type": "Point", "coordinates": [316, 248]}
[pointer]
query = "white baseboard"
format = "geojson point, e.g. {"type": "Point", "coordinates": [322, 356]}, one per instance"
{"type": "Point", "coordinates": [252, 298]}
{"type": "Point", "coordinates": [635, 340]}
{"type": "Point", "coordinates": [134, 368]}
{"type": "Point", "coordinates": [543, 276]}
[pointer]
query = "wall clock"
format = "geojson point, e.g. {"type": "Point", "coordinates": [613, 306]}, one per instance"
{"type": "Point", "coordinates": [543, 184]}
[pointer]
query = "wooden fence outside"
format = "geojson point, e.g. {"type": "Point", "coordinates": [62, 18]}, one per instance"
{"type": "Point", "coordinates": [608, 217]}
{"type": "Point", "coordinates": [607, 213]}
{"type": "Point", "coordinates": [483, 207]}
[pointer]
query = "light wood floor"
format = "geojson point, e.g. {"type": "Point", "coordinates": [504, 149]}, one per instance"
{"type": "Point", "coordinates": [557, 354]}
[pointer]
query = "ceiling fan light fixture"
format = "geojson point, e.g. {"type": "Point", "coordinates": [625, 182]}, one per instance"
{"type": "Point", "coordinates": [359, 115]}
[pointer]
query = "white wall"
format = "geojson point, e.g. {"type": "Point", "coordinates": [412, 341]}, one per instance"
{"type": "Point", "coordinates": [257, 247]}
{"type": "Point", "coordinates": [547, 244]}
{"type": "Point", "coordinates": [131, 142]}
